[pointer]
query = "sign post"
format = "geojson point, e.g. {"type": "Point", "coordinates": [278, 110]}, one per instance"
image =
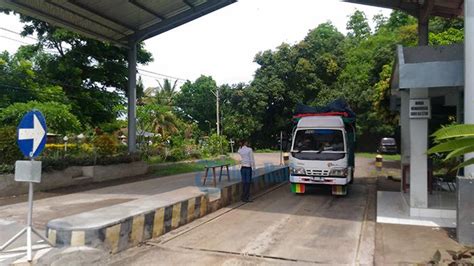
{"type": "Point", "coordinates": [31, 141]}
{"type": "Point", "coordinates": [231, 142]}
{"type": "Point", "coordinates": [420, 109]}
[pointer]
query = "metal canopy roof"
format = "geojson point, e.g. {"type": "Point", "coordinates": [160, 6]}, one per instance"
{"type": "Point", "coordinates": [441, 8]}
{"type": "Point", "coordinates": [428, 67]}
{"type": "Point", "coordinates": [117, 21]}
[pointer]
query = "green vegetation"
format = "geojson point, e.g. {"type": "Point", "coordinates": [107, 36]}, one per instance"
{"type": "Point", "coordinates": [266, 151]}
{"type": "Point", "coordinates": [181, 168]}
{"type": "Point", "coordinates": [389, 157]}
{"type": "Point", "coordinates": [454, 141]}
{"type": "Point", "coordinates": [324, 66]}
{"type": "Point", "coordinates": [81, 88]}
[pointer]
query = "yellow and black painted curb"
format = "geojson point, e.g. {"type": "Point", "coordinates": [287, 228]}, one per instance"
{"type": "Point", "coordinates": [134, 230]}
{"type": "Point", "coordinates": [131, 231]}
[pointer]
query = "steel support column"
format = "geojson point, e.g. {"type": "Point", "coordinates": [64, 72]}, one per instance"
{"type": "Point", "coordinates": [132, 98]}
{"type": "Point", "coordinates": [465, 201]}
{"type": "Point", "coordinates": [469, 73]}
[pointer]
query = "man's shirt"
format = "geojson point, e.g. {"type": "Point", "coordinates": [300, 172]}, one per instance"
{"type": "Point", "coordinates": [247, 158]}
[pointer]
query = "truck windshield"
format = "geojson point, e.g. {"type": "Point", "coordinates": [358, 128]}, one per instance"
{"type": "Point", "coordinates": [319, 140]}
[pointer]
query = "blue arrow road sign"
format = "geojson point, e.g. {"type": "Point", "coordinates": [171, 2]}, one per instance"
{"type": "Point", "coordinates": [32, 134]}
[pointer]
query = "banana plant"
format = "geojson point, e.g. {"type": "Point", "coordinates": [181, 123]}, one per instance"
{"type": "Point", "coordinates": [455, 140]}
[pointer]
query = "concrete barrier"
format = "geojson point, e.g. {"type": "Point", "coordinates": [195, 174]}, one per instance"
{"type": "Point", "coordinates": [71, 176]}
{"type": "Point", "coordinates": [125, 225]}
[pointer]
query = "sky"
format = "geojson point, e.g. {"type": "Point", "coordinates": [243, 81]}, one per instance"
{"type": "Point", "coordinates": [224, 43]}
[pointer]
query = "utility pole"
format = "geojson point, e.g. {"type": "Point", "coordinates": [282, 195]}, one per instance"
{"type": "Point", "coordinates": [217, 112]}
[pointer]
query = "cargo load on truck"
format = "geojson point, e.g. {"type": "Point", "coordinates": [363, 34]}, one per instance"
{"type": "Point", "coordinates": [322, 148]}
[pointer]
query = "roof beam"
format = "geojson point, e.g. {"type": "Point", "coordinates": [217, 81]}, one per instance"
{"type": "Point", "coordinates": [95, 13]}
{"type": "Point", "coordinates": [38, 14]}
{"type": "Point", "coordinates": [409, 7]}
{"type": "Point", "coordinates": [85, 17]}
{"type": "Point", "coordinates": [179, 19]}
{"type": "Point", "coordinates": [188, 3]}
{"type": "Point", "coordinates": [144, 8]}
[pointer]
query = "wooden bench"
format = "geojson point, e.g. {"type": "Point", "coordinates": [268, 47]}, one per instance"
{"type": "Point", "coordinates": [213, 167]}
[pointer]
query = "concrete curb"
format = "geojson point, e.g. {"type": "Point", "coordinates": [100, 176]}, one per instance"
{"type": "Point", "coordinates": [129, 231]}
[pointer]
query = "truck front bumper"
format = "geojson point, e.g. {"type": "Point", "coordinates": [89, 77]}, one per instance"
{"type": "Point", "coordinates": [319, 180]}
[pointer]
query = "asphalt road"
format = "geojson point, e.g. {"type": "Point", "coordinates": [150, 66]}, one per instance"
{"type": "Point", "coordinates": [277, 228]}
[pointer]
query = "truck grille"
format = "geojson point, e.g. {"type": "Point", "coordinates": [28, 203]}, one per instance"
{"type": "Point", "coordinates": [317, 172]}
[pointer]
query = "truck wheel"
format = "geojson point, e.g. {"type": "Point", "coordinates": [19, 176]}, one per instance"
{"type": "Point", "coordinates": [339, 190]}
{"type": "Point", "coordinates": [298, 188]}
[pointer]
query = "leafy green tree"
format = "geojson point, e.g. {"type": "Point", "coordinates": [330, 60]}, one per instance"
{"type": "Point", "coordinates": [358, 26]}
{"type": "Point", "coordinates": [21, 82]}
{"type": "Point", "coordinates": [59, 118]}
{"type": "Point", "coordinates": [92, 74]}
{"type": "Point", "coordinates": [196, 102]}
{"type": "Point", "coordinates": [242, 108]}
{"type": "Point", "coordinates": [294, 74]}
{"type": "Point", "coordinates": [157, 119]}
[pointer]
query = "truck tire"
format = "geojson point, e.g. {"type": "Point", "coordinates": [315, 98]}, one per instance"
{"type": "Point", "coordinates": [352, 176]}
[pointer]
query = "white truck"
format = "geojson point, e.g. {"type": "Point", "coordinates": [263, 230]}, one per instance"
{"type": "Point", "coordinates": [322, 152]}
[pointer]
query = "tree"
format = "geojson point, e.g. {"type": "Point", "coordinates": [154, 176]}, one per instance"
{"type": "Point", "coordinates": [92, 74]}
{"type": "Point", "coordinates": [196, 102]}
{"type": "Point", "coordinates": [21, 82]}
{"type": "Point", "coordinates": [157, 119]}
{"type": "Point", "coordinates": [291, 75]}
{"type": "Point", "coordinates": [358, 26]}
{"type": "Point", "coordinates": [242, 108]}
{"type": "Point", "coordinates": [164, 94]}
{"type": "Point", "coordinates": [58, 116]}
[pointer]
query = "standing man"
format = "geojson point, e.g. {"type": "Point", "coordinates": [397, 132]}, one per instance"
{"type": "Point", "coordinates": [247, 162]}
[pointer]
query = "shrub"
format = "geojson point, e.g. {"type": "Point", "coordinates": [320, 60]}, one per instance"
{"type": "Point", "coordinates": [49, 164]}
{"type": "Point", "coordinates": [105, 144]}
{"type": "Point", "coordinates": [59, 118]}
{"type": "Point", "coordinates": [9, 151]}
{"type": "Point", "coordinates": [215, 145]}
{"type": "Point", "coordinates": [6, 168]}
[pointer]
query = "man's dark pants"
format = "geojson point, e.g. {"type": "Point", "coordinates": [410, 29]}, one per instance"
{"type": "Point", "coordinates": [246, 173]}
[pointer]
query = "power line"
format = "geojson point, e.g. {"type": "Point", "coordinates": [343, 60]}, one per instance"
{"type": "Point", "coordinates": [33, 92]}
{"type": "Point", "coordinates": [18, 33]}
{"type": "Point", "coordinates": [163, 75]}
{"type": "Point", "coordinates": [5, 37]}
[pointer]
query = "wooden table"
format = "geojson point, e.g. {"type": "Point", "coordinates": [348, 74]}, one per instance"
{"type": "Point", "coordinates": [213, 167]}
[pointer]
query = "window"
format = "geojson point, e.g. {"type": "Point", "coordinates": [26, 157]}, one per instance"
{"type": "Point", "coordinates": [319, 140]}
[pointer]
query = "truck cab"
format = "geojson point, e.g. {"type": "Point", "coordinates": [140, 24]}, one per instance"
{"type": "Point", "coordinates": [321, 154]}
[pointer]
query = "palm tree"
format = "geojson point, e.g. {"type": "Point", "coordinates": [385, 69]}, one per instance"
{"type": "Point", "coordinates": [157, 119]}
{"type": "Point", "coordinates": [163, 94]}
{"type": "Point", "coordinates": [455, 139]}
{"type": "Point", "coordinates": [165, 123]}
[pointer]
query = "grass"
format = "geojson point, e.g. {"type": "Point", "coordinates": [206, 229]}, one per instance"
{"type": "Point", "coordinates": [391, 157]}
{"type": "Point", "coordinates": [182, 168]}
{"type": "Point", "coordinates": [266, 151]}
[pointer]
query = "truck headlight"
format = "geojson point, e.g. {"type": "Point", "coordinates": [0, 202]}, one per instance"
{"type": "Point", "coordinates": [298, 171]}
{"type": "Point", "coordinates": [338, 172]}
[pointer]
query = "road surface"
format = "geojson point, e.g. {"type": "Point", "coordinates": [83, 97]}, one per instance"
{"type": "Point", "coordinates": [277, 228]}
